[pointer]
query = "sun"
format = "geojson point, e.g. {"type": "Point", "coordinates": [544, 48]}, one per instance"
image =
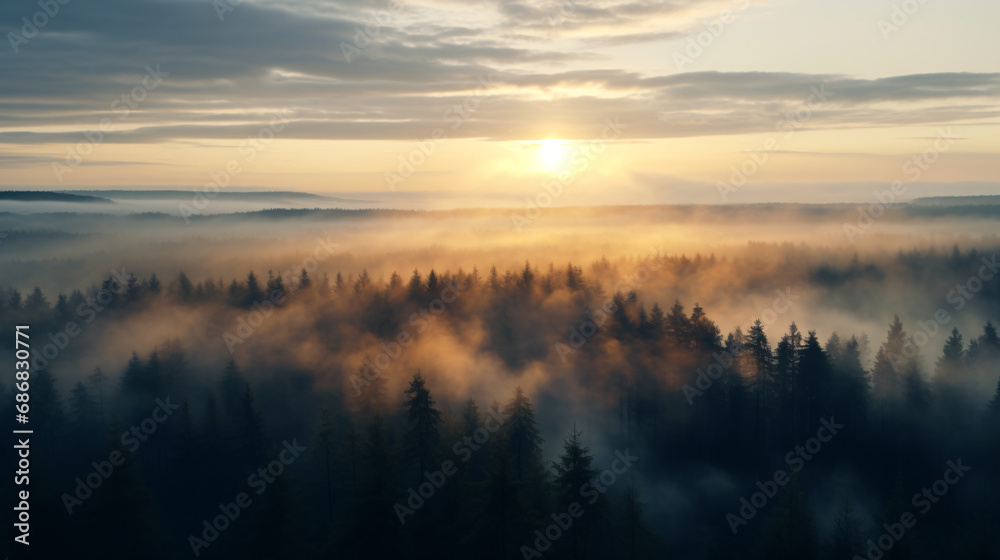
{"type": "Point", "coordinates": [551, 155]}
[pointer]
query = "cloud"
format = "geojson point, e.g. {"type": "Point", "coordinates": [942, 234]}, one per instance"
{"type": "Point", "coordinates": [227, 77]}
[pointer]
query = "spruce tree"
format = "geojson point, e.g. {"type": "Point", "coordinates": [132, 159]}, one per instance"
{"type": "Point", "coordinates": [423, 419]}
{"type": "Point", "coordinates": [573, 470]}
{"type": "Point", "coordinates": [523, 438]}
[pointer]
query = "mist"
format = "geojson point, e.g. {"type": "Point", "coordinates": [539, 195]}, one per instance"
{"type": "Point", "coordinates": [607, 319]}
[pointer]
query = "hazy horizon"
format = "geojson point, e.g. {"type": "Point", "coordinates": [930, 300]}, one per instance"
{"type": "Point", "coordinates": [618, 101]}
{"type": "Point", "coordinates": [500, 280]}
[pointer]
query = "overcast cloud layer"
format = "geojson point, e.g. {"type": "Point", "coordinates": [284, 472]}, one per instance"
{"type": "Point", "coordinates": [554, 66]}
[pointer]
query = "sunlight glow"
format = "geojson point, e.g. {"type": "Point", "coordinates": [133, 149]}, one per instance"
{"type": "Point", "coordinates": [552, 154]}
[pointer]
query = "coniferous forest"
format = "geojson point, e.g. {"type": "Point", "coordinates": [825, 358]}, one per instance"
{"type": "Point", "coordinates": [547, 410]}
{"type": "Point", "coordinates": [500, 280]}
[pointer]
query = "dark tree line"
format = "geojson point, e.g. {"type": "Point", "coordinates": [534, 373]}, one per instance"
{"type": "Point", "coordinates": [645, 375]}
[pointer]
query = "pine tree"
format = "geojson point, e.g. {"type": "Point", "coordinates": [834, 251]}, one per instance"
{"type": "Point", "coordinates": [706, 337]}
{"type": "Point", "coordinates": [759, 364]}
{"type": "Point", "coordinates": [275, 285]}
{"type": "Point", "coordinates": [14, 301]}
{"type": "Point", "coordinates": [523, 438]}
{"type": "Point", "coordinates": [363, 283]}
{"type": "Point", "coordinates": [527, 277]}
{"type": "Point", "coordinates": [573, 470]}
{"type": "Point", "coordinates": [989, 337]}
{"type": "Point", "coordinates": [132, 288]}
{"type": "Point", "coordinates": [572, 278]}
{"type": "Point", "coordinates": [422, 433]}
{"type": "Point", "coordinates": [183, 287]}
{"type": "Point", "coordinates": [835, 350]}
{"type": "Point", "coordinates": [950, 362]}
{"type": "Point", "coordinates": [657, 322]}
{"type": "Point", "coordinates": [953, 379]}
{"type": "Point", "coordinates": [415, 288]}
{"type": "Point", "coordinates": [254, 293]}
{"type": "Point", "coordinates": [132, 381]}
{"type": "Point", "coordinates": [678, 325]}
{"type": "Point", "coordinates": [62, 308]}
{"type": "Point", "coordinates": [889, 372]}
{"type": "Point", "coordinates": [814, 386]}
{"type": "Point", "coordinates": [851, 386]}
{"type": "Point", "coordinates": [36, 302]}
{"type": "Point", "coordinates": [887, 376]}
{"type": "Point", "coordinates": [154, 284]}
{"type": "Point", "coordinates": [786, 384]}
{"type": "Point", "coordinates": [395, 283]}
{"type": "Point", "coordinates": [432, 284]}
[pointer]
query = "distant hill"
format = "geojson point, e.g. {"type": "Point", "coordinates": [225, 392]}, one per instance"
{"type": "Point", "coordinates": [49, 196]}
{"type": "Point", "coordinates": [993, 200]}
{"type": "Point", "coordinates": [262, 196]}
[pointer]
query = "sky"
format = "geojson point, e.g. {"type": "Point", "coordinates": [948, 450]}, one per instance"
{"type": "Point", "coordinates": [589, 102]}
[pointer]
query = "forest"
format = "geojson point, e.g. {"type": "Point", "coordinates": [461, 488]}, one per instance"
{"type": "Point", "coordinates": [328, 415]}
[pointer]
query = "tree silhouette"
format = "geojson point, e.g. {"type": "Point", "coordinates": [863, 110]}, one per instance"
{"type": "Point", "coordinates": [422, 432]}
{"type": "Point", "coordinates": [523, 437]}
